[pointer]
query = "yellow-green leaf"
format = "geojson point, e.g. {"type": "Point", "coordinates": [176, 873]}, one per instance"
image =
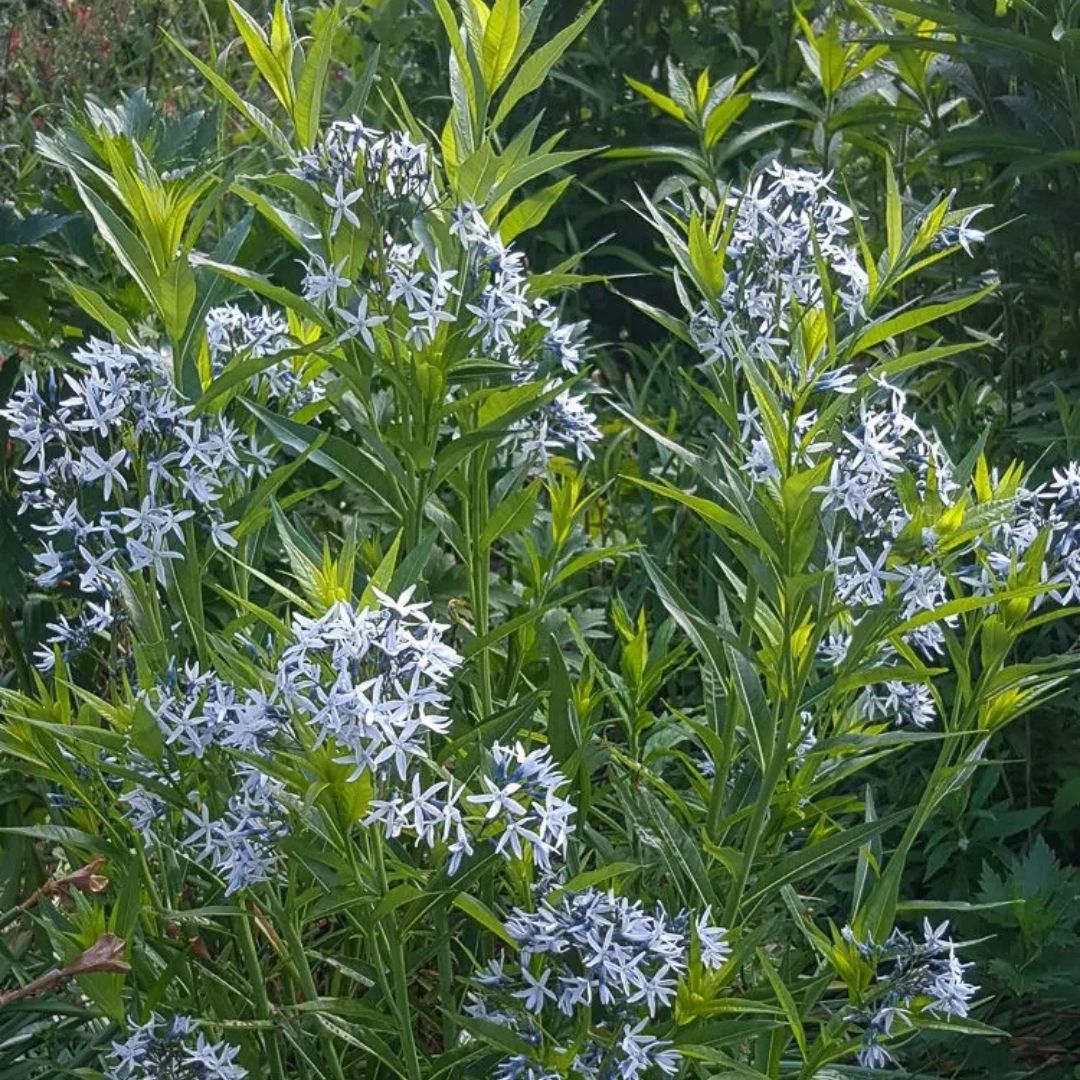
{"type": "Point", "coordinates": [661, 101]}
{"type": "Point", "coordinates": [535, 68]}
{"type": "Point", "coordinates": [500, 41]}
{"type": "Point", "coordinates": [723, 116]}
{"type": "Point", "coordinates": [531, 211]}
{"type": "Point", "coordinates": [312, 88]}
{"type": "Point", "coordinates": [262, 56]}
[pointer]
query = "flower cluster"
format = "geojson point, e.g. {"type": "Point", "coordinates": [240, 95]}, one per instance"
{"type": "Point", "coordinates": [920, 976]}
{"type": "Point", "coordinates": [788, 232]}
{"type": "Point", "coordinates": [242, 844]}
{"type": "Point", "coordinates": [605, 963]}
{"type": "Point", "coordinates": [506, 319]}
{"type": "Point", "coordinates": [884, 468]}
{"type": "Point", "coordinates": [1050, 511]}
{"type": "Point", "coordinates": [372, 681]}
{"type": "Point", "coordinates": [357, 164]}
{"type": "Point", "coordinates": [196, 711]}
{"type": "Point", "coordinates": [117, 473]}
{"type": "Point", "coordinates": [404, 289]}
{"type": "Point", "coordinates": [886, 453]}
{"type": "Point", "coordinates": [521, 804]}
{"type": "Point", "coordinates": [173, 1049]}
{"type": "Point", "coordinates": [783, 225]}
{"type": "Point", "coordinates": [232, 332]}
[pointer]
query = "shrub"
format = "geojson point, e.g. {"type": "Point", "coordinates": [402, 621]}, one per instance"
{"type": "Point", "coordinates": [344, 754]}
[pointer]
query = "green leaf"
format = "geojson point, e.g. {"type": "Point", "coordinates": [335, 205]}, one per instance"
{"type": "Point", "coordinates": [249, 112]}
{"type": "Point", "coordinates": [262, 285]}
{"type": "Point", "coordinates": [125, 244]}
{"type": "Point", "coordinates": [341, 458]}
{"type": "Point", "coordinates": [270, 67]}
{"type": "Point", "coordinates": [723, 116]}
{"type": "Point", "coordinates": [883, 329]}
{"type": "Point", "coordinates": [479, 912]}
{"type": "Point", "coordinates": [532, 210]}
{"type": "Point", "coordinates": [98, 309]}
{"type": "Point", "coordinates": [589, 878]}
{"type": "Point", "coordinates": [787, 1002]}
{"type": "Point", "coordinates": [511, 515]}
{"type": "Point", "coordinates": [661, 101]}
{"type": "Point", "coordinates": [312, 87]}
{"type": "Point", "coordinates": [531, 169]}
{"type": "Point", "coordinates": [534, 69]}
{"type": "Point", "coordinates": [562, 738]}
{"type": "Point", "coordinates": [500, 42]}
{"type": "Point", "coordinates": [457, 45]}
{"type": "Point", "coordinates": [809, 862]}
{"type": "Point", "coordinates": [382, 576]}
{"type": "Point", "coordinates": [720, 520]}
{"type": "Point", "coordinates": [894, 215]}
{"type": "Point", "coordinates": [176, 297]}
{"type": "Point", "coordinates": [398, 896]}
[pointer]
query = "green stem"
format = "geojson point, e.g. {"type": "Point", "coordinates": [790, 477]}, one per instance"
{"type": "Point", "coordinates": [718, 797]}
{"type": "Point", "coordinates": [446, 977]}
{"type": "Point", "coordinates": [14, 646]}
{"type": "Point", "coordinates": [263, 1009]}
{"type": "Point", "coordinates": [479, 558]}
{"type": "Point", "coordinates": [754, 830]}
{"type": "Point", "coordinates": [396, 956]}
{"type": "Point", "coordinates": [307, 984]}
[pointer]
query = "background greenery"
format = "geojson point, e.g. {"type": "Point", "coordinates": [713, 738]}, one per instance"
{"type": "Point", "coordinates": [981, 96]}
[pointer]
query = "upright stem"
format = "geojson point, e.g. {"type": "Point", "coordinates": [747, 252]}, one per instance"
{"type": "Point", "coordinates": [263, 1009]}
{"type": "Point", "coordinates": [14, 646]}
{"type": "Point", "coordinates": [786, 710]}
{"type": "Point", "coordinates": [398, 975]}
{"type": "Point", "coordinates": [479, 559]}
{"type": "Point", "coordinates": [446, 976]}
{"type": "Point", "coordinates": [307, 985]}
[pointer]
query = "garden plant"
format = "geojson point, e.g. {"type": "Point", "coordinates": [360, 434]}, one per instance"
{"type": "Point", "coordinates": [489, 591]}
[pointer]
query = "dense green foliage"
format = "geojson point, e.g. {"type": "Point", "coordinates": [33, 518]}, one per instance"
{"type": "Point", "coordinates": [708, 369]}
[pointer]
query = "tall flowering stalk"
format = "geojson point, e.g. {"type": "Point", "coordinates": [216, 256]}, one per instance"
{"type": "Point", "coordinates": [860, 561]}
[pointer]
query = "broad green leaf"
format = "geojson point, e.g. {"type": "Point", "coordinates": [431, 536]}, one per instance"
{"type": "Point", "coordinates": [176, 297]}
{"type": "Point", "coordinates": [532, 210]}
{"type": "Point", "coordinates": [534, 68]}
{"type": "Point", "coordinates": [562, 738]}
{"type": "Point", "coordinates": [500, 41]}
{"type": "Point", "coordinates": [457, 45]}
